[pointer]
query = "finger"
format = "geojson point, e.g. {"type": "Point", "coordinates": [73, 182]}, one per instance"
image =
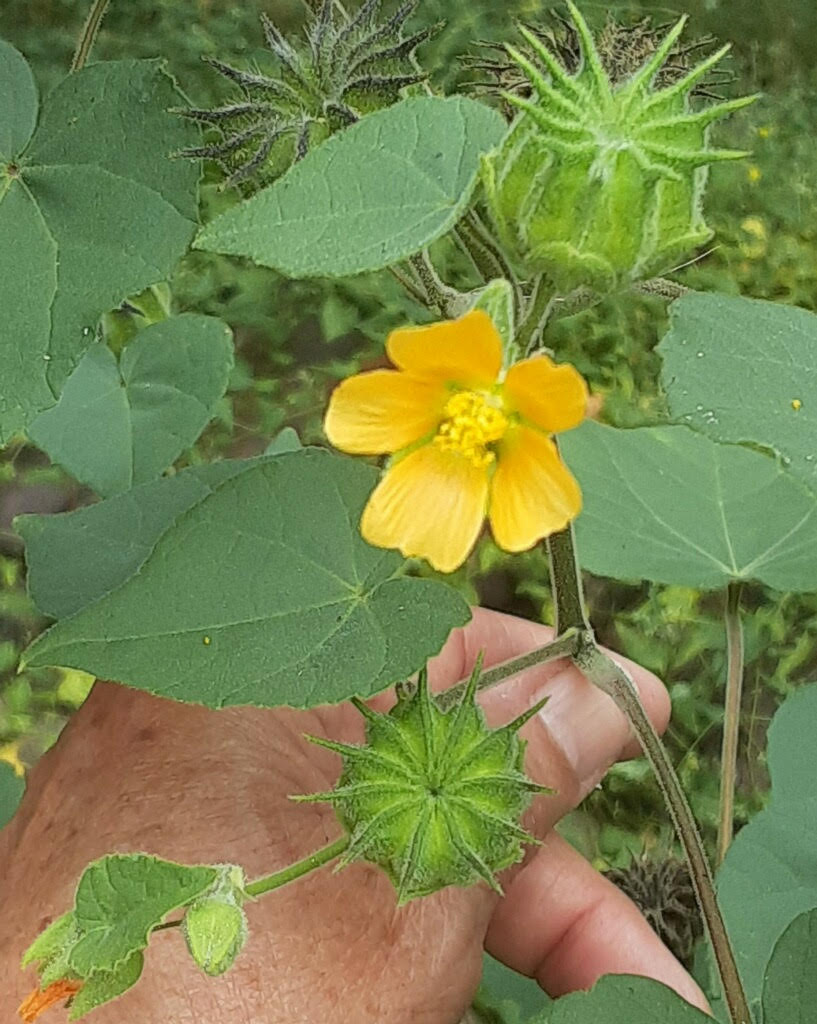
{"type": "Point", "coordinates": [564, 924]}
{"type": "Point", "coordinates": [500, 637]}
{"type": "Point", "coordinates": [579, 733]}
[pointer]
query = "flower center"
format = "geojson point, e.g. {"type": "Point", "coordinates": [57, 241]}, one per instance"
{"type": "Point", "coordinates": [472, 420]}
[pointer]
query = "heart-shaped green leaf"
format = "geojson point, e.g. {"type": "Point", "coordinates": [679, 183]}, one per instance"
{"type": "Point", "coordinates": [121, 899]}
{"type": "Point", "coordinates": [769, 876]}
{"type": "Point", "coordinates": [622, 999]}
{"type": "Point", "coordinates": [264, 593]}
{"type": "Point", "coordinates": [91, 210]}
{"type": "Point", "coordinates": [667, 504]}
{"type": "Point", "coordinates": [368, 197]}
{"type": "Point", "coordinates": [121, 424]}
{"type": "Point", "coordinates": [744, 370]}
{"type": "Point", "coordinates": [790, 985]}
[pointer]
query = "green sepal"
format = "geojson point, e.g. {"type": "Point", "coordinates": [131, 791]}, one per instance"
{"type": "Point", "coordinates": [497, 300]}
{"type": "Point", "coordinates": [434, 797]}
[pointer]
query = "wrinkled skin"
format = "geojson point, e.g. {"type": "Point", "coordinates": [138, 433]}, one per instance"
{"type": "Point", "coordinates": [135, 772]}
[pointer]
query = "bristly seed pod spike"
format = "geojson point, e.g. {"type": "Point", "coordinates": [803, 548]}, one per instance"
{"type": "Point", "coordinates": [433, 797]}
{"type": "Point", "coordinates": [348, 66]}
{"type": "Point", "coordinates": [600, 181]}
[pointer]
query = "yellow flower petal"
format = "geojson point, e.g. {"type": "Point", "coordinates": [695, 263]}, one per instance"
{"type": "Point", "coordinates": [467, 351]}
{"type": "Point", "coordinates": [430, 504]}
{"type": "Point", "coordinates": [553, 397]}
{"type": "Point", "coordinates": [533, 494]}
{"type": "Point", "coordinates": [383, 411]}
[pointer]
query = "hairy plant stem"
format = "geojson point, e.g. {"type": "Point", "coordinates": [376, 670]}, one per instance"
{"type": "Point", "coordinates": [478, 252]}
{"type": "Point", "coordinates": [440, 296]}
{"type": "Point", "coordinates": [603, 672]}
{"type": "Point", "coordinates": [298, 869]}
{"type": "Point", "coordinates": [731, 716]}
{"type": "Point", "coordinates": [411, 286]}
{"type": "Point", "coordinates": [537, 315]}
{"type": "Point", "coordinates": [563, 646]}
{"type": "Point", "coordinates": [88, 34]}
{"type": "Point", "coordinates": [566, 581]}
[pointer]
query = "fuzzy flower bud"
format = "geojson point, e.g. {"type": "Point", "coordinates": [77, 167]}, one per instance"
{"type": "Point", "coordinates": [600, 183]}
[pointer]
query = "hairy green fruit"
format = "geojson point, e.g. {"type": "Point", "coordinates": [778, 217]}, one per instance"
{"type": "Point", "coordinates": [351, 65]}
{"type": "Point", "coordinates": [600, 183]}
{"type": "Point", "coordinates": [215, 926]}
{"type": "Point", "coordinates": [434, 797]}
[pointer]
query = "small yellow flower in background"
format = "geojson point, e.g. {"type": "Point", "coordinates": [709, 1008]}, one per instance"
{"type": "Point", "coordinates": [10, 754]}
{"type": "Point", "coordinates": [754, 173]}
{"type": "Point", "coordinates": [468, 441]}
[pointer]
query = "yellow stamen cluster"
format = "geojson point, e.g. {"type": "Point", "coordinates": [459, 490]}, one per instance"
{"type": "Point", "coordinates": [472, 421]}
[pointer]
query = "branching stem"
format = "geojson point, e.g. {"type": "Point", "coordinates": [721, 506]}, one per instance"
{"type": "Point", "coordinates": [564, 646]}
{"type": "Point", "coordinates": [731, 716]}
{"type": "Point", "coordinates": [88, 34]}
{"type": "Point", "coordinates": [603, 672]}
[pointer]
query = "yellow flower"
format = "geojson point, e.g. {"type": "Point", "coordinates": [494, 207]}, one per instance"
{"type": "Point", "coordinates": [468, 441]}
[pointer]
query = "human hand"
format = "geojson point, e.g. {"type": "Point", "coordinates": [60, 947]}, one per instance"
{"type": "Point", "coordinates": [135, 772]}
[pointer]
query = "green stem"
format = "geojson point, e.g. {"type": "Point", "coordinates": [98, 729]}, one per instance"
{"type": "Point", "coordinates": [483, 236]}
{"type": "Point", "coordinates": [731, 716]}
{"type": "Point", "coordinates": [478, 252]}
{"type": "Point", "coordinates": [297, 870]}
{"type": "Point", "coordinates": [614, 681]}
{"type": "Point", "coordinates": [439, 294]}
{"type": "Point", "coordinates": [563, 646]}
{"type": "Point", "coordinates": [88, 34]}
{"type": "Point", "coordinates": [566, 581]}
{"type": "Point", "coordinates": [662, 287]}
{"type": "Point", "coordinates": [529, 336]}
{"type": "Point", "coordinates": [411, 286]}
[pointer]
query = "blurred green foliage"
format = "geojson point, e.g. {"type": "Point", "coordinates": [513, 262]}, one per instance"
{"type": "Point", "coordinates": [296, 339]}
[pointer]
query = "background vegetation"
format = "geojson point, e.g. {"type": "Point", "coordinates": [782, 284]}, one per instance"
{"type": "Point", "coordinates": [295, 339]}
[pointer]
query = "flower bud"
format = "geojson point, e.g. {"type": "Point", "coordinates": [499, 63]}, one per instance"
{"type": "Point", "coordinates": [215, 926]}
{"type": "Point", "coordinates": [599, 183]}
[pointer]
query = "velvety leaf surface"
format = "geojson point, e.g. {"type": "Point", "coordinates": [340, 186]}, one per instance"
{"type": "Point", "coordinates": [20, 100]}
{"type": "Point", "coordinates": [12, 788]}
{"type": "Point", "coordinates": [77, 557]}
{"type": "Point", "coordinates": [370, 196]}
{"type": "Point", "coordinates": [624, 999]}
{"type": "Point", "coordinates": [120, 900]}
{"type": "Point", "coordinates": [121, 424]}
{"type": "Point", "coordinates": [103, 986]}
{"type": "Point", "coordinates": [745, 370]}
{"type": "Point", "coordinates": [769, 876]}
{"type": "Point", "coordinates": [667, 504]}
{"type": "Point", "coordinates": [790, 986]}
{"type": "Point", "coordinates": [263, 593]}
{"type": "Point", "coordinates": [95, 177]}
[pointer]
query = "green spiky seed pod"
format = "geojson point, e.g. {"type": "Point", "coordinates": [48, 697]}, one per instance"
{"type": "Point", "coordinates": [215, 926]}
{"type": "Point", "coordinates": [434, 797]}
{"type": "Point", "coordinates": [601, 183]}
{"type": "Point", "coordinates": [347, 66]}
